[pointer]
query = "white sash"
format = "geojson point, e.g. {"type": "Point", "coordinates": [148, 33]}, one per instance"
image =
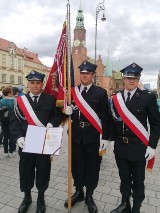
{"type": "Point", "coordinates": [28, 111]}
{"type": "Point", "coordinates": [130, 120]}
{"type": "Point", "coordinates": [87, 111]}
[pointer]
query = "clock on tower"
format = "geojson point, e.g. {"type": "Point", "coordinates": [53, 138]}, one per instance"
{"type": "Point", "coordinates": [84, 43]}
{"type": "Point", "coordinates": [76, 42]}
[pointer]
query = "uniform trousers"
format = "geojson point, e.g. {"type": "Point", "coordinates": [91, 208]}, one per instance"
{"type": "Point", "coordinates": [132, 175]}
{"type": "Point", "coordinates": [85, 164]}
{"type": "Point", "coordinates": [1, 136]}
{"type": "Point", "coordinates": [34, 167]}
{"type": "Point", "coordinates": [7, 140]}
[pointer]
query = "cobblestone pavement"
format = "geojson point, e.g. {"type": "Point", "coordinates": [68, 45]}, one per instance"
{"type": "Point", "coordinates": [106, 195]}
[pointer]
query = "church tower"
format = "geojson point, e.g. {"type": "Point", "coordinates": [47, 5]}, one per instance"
{"type": "Point", "coordinates": [79, 51]}
{"type": "Point", "coordinates": [79, 31]}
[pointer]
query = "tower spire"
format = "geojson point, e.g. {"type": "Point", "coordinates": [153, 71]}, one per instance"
{"type": "Point", "coordinates": [80, 5]}
{"type": "Point", "coordinates": [119, 74]}
{"type": "Point", "coordinates": [108, 68]}
{"type": "Point", "coordinates": [80, 18]}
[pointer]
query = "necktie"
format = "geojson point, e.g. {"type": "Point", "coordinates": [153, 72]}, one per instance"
{"type": "Point", "coordinates": [35, 99]}
{"type": "Point", "coordinates": [84, 91]}
{"type": "Point", "coordinates": [128, 98]}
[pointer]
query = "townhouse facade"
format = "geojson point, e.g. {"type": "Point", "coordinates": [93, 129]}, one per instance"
{"type": "Point", "coordinates": [16, 63]}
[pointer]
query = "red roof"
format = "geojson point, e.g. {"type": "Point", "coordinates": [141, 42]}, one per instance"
{"type": "Point", "coordinates": [28, 56]}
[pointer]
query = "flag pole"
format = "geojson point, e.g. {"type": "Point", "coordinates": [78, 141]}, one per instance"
{"type": "Point", "coordinates": [69, 103]}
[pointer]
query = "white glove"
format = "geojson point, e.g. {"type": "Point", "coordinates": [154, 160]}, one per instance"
{"type": "Point", "coordinates": [21, 142]}
{"type": "Point", "coordinates": [68, 110]}
{"type": "Point", "coordinates": [111, 144]}
{"type": "Point", "coordinates": [49, 125]}
{"type": "Point", "coordinates": [150, 153]}
{"type": "Point", "coordinates": [103, 144]}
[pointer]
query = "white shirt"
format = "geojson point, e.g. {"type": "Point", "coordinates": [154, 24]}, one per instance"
{"type": "Point", "coordinates": [82, 87]}
{"type": "Point", "coordinates": [32, 96]}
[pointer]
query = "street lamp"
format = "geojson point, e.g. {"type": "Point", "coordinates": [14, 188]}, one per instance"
{"type": "Point", "coordinates": [100, 7]}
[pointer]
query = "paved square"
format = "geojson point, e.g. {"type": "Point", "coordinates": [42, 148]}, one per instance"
{"type": "Point", "coordinates": [106, 195]}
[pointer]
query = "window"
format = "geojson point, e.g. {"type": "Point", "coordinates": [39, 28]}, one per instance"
{"type": "Point", "coordinates": [19, 64]}
{"type": "Point", "coordinates": [12, 79]}
{"type": "Point", "coordinates": [12, 61]}
{"type": "Point", "coordinates": [3, 60]}
{"type": "Point", "coordinates": [19, 80]}
{"type": "Point", "coordinates": [4, 77]}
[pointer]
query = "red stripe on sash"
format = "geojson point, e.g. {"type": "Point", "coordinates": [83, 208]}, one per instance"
{"type": "Point", "coordinates": [85, 112]}
{"type": "Point", "coordinates": [133, 128]}
{"type": "Point", "coordinates": [128, 122]}
{"type": "Point", "coordinates": [25, 111]}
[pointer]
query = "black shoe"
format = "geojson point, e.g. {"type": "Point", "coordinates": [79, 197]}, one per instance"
{"type": "Point", "coordinates": [78, 196]}
{"type": "Point", "coordinates": [135, 211]}
{"type": "Point", "coordinates": [25, 204]}
{"type": "Point", "coordinates": [136, 207]}
{"type": "Point", "coordinates": [121, 209]}
{"type": "Point", "coordinates": [41, 208]}
{"type": "Point", "coordinates": [124, 207]}
{"type": "Point", "coordinates": [92, 208]}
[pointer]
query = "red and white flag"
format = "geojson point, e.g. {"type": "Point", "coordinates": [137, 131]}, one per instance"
{"type": "Point", "coordinates": [56, 83]}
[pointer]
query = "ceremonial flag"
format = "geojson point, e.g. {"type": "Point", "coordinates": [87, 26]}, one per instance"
{"type": "Point", "coordinates": [72, 73]}
{"type": "Point", "coordinates": [56, 83]}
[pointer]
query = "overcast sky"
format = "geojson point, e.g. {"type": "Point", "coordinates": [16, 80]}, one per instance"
{"type": "Point", "coordinates": [131, 32]}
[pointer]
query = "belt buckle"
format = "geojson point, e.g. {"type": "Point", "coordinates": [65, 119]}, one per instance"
{"type": "Point", "coordinates": [81, 124]}
{"type": "Point", "coordinates": [125, 139]}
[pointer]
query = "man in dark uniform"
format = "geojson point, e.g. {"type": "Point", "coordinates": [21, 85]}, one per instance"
{"type": "Point", "coordinates": [44, 107]}
{"type": "Point", "coordinates": [131, 153]}
{"type": "Point", "coordinates": [86, 138]}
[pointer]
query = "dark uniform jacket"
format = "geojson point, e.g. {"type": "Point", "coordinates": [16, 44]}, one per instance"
{"type": "Point", "coordinates": [144, 107]}
{"type": "Point", "coordinates": [97, 99]}
{"type": "Point", "coordinates": [45, 110]}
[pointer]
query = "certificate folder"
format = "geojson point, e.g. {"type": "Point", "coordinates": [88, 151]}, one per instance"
{"type": "Point", "coordinates": [42, 141]}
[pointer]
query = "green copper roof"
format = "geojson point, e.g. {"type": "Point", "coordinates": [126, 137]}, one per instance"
{"type": "Point", "coordinates": [80, 18]}
{"type": "Point", "coordinates": [108, 68]}
{"type": "Point", "coordinates": [118, 74]}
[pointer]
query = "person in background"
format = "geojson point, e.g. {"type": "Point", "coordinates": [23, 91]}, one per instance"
{"type": "Point", "coordinates": [1, 136]}
{"type": "Point", "coordinates": [1, 131]}
{"type": "Point", "coordinates": [15, 91]}
{"type": "Point", "coordinates": [129, 133]}
{"type": "Point", "coordinates": [20, 89]}
{"type": "Point", "coordinates": [158, 103]}
{"type": "Point", "coordinates": [7, 101]}
{"type": "Point", "coordinates": [40, 110]}
{"type": "Point", "coordinates": [15, 94]}
{"type": "Point", "coordinates": [89, 119]}
{"type": "Point", "coordinates": [1, 94]}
